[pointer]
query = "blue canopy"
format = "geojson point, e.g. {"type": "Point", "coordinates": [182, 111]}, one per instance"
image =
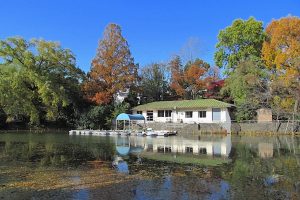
{"type": "Point", "coordinates": [123, 150]}
{"type": "Point", "coordinates": [124, 116]}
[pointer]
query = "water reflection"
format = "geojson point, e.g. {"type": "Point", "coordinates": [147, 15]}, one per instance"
{"type": "Point", "coordinates": [171, 167]}
{"type": "Point", "coordinates": [213, 146]}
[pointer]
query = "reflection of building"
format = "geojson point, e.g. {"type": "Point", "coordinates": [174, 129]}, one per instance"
{"type": "Point", "coordinates": [218, 147]}
{"type": "Point", "coordinates": [267, 146]}
{"type": "Point", "coordinates": [187, 111]}
{"type": "Point", "coordinates": [265, 150]}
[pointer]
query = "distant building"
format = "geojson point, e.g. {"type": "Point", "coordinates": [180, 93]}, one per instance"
{"type": "Point", "coordinates": [264, 115]}
{"type": "Point", "coordinates": [120, 96]}
{"type": "Point", "coordinates": [187, 111]}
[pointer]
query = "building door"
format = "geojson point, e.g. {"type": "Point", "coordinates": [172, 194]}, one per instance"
{"type": "Point", "coordinates": [216, 114]}
{"type": "Point", "coordinates": [149, 115]}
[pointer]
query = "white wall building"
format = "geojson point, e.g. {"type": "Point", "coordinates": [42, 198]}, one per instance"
{"type": "Point", "coordinates": [187, 111]}
{"type": "Point", "coordinates": [121, 95]}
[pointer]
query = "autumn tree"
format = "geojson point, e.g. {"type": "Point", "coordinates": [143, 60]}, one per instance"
{"type": "Point", "coordinates": [213, 90]}
{"type": "Point", "coordinates": [194, 75]}
{"type": "Point", "coordinates": [113, 68]}
{"type": "Point", "coordinates": [177, 76]}
{"type": "Point", "coordinates": [38, 79]}
{"type": "Point", "coordinates": [239, 42]}
{"type": "Point", "coordinates": [281, 53]}
{"type": "Point", "coordinates": [187, 82]}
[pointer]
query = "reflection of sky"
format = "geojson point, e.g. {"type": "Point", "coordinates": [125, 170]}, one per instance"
{"type": "Point", "coordinates": [221, 192]}
{"type": "Point", "coordinates": [169, 188]}
{"type": "Point", "coordinates": [123, 167]}
{"type": "Point", "coordinates": [123, 150]}
{"type": "Point", "coordinates": [82, 193]}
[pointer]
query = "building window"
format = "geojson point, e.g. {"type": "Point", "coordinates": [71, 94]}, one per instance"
{"type": "Point", "coordinates": [188, 114]}
{"type": "Point", "coordinates": [168, 150]}
{"type": "Point", "coordinates": [216, 114]}
{"type": "Point", "coordinates": [139, 112]}
{"type": "Point", "coordinates": [150, 148]}
{"type": "Point", "coordinates": [161, 113]}
{"type": "Point", "coordinates": [168, 113]}
{"type": "Point", "coordinates": [150, 115]}
{"type": "Point", "coordinates": [202, 151]}
{"type": "Point", "coordinates": [160, 149]}
{"type": "Point", "coordinates": [202, 114]}
{"type": "Point", "coordinates": [189, 149]}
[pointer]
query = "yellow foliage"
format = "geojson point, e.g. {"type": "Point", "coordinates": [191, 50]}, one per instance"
{"type": "Point", "coordinates": [281, 53]}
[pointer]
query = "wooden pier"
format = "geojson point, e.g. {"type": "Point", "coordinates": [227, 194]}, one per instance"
{"type": "Point", "coordinates": [164, 133]}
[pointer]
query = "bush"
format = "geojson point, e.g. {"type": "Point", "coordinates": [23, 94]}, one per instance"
{"type": "Point", "coordinates": [3, 118]}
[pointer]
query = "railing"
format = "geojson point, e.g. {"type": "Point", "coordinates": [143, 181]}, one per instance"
{"type": "Point", "coordinates": [255, 121]}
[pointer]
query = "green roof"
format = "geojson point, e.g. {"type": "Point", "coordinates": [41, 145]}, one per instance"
{"type": "Point", "coordinates": [199, 103]}
{"type": "Point", "coordinates": [185, 158]}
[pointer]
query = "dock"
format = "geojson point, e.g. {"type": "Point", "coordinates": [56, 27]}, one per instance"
{"type": "Point", "coordinates": [163, 133]}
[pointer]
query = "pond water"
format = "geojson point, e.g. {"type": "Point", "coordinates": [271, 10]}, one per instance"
{"type": "Point", "coordinates": [59, 166]}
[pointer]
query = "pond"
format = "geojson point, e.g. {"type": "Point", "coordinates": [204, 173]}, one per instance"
{"type": "Point", "coordinates": [59, 166]}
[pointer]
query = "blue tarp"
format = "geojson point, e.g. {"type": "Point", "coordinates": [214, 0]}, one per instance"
{"type": "Point", "coordinates": [124, 116]}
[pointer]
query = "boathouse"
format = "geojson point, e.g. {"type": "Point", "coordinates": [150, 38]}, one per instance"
{"type": "Point", "coordinates": [186, 111]}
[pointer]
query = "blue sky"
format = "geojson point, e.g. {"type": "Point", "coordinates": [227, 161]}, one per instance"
{"type": "Point", "coordinates": [155, 30]}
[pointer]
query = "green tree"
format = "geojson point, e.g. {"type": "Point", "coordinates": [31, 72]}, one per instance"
{"type": "Point", "coordinates": [155, 82]}
{"type": "Point", "coordinates": [36, 78]}
{"type": "Point", "coordinates": [95, 117]}
{"type": "Point", "coordinates": [239, 42]}
{"type": "Point", "coordinates": [3, 118]}
{"type": "Point", "coordinates": [248, 87]}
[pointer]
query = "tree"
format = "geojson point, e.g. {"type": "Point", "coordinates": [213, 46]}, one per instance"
{"type": "Point", "coordinates": [239, 42]}
{"type": "Point", "coordinates": [248, 87]}
{"type": "Point", "coordinates": [155, 82]}
{"type": "Point", "coordinates": [188, 82]}
{"type": "Point", "coordinates": [177, 76]}
{"type": "Point", "coordinates": [213, 90]}
{"type": "Point", "coordinates": [94, 117]}
{"type": "Point", "coordinates": [281, 53]}
{"type": "Point", "coordinates": [36, 78]}
{"type": "Point", "coordinates": [113, 68]}
{"type": "Point", "coordinates": [3, 118]}
{"type": "Point", "coordinates": [194, 75]}
{"type": "Point", "coordinates": [190, 50]}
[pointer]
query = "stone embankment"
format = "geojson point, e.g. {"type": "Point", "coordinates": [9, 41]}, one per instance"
{"type": "Point", "coordinates": [236, 128]}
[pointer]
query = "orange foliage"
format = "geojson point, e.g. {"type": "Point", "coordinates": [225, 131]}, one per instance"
{"type": "Point", "coordinates": [177, 76]}
{"type": "Point", "coordinates": [282, 49]}
{"type": "Point", "coordinates": [281, 53]}
{"type": "Point", "coordinates": [113, 68]}
{"type": "Point", "coordinates": [189, 80]}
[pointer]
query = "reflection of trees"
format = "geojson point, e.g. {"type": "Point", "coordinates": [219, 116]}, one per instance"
{"type": "Point", "coordinates": [56, 154]}
{"type": "Point", "coordinates": [249, 172]}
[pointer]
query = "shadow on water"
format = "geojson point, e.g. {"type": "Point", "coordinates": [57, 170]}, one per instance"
{"type": "Point", "coordinates": [207, 167]}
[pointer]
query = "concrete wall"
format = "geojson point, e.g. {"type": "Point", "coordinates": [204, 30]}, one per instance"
{"type": "Point", "coordinates": [265, 127]}
{"type": "Point", "coordinates": [189, 129]}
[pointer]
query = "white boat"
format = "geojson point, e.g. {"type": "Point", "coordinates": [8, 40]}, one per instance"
{"type": "Point", "coordinates": [164, 133]}
{"type": "Point", "coordinates": [147, 132]}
